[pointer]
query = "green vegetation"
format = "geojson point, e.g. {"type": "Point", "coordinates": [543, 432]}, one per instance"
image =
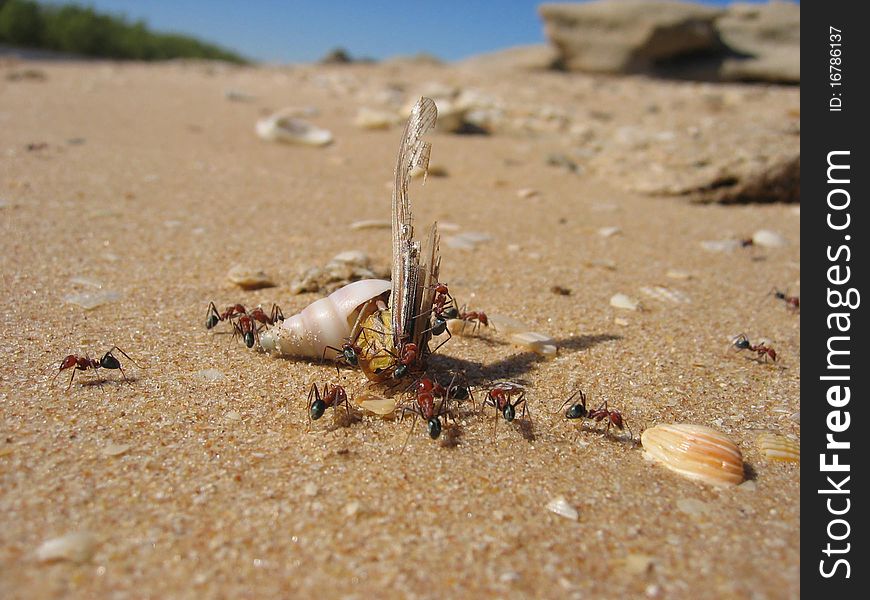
{"type": "Point", "coordinates": [81, 30]}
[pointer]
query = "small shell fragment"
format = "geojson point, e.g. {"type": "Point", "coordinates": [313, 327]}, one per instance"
{"type": "Point", "coordinates": [466, 241]}
{"type": "Point", "coordinates": [696, 452]}
{"type": "Point", "coordinates": [92, 300]}
{"type": "Point", "coordinates": [560, 506]}
{"type": "Point", "coordinates": [536, 342]}
{"type": "Point", "coordinates": [720, 245]}
{"type": "Point", "coordinates": [526, 193]}
{"type": "Point", "coordinates": [375, 404]}
{"type": "Point", "coordinates": [371, 224]}
{"type": "Point", "coordinates": [677, 274]}
{"type": "Point", "coordinates": [115, 449]}
{"type": "Point", "coordinates": [666, 295]}
{"type": "Point", "coordinates": [75, 547]}
{"type": "Point", "coordinates": [369, 118]}
{"type": "Point", "coordinates": [768, 239]}
{"type": "Point", "coordinates": [281, 127]}
{"type": "Point", "coordinates": [248, 278]}
{"type": "Point", "coordinates": [779, 448]}
{"type": "Point", "coordinates": [624, 302]}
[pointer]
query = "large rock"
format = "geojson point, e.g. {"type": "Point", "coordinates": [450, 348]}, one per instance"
{"type": "Point", "coordinates": [768, 36]}
{"type": "Point", "coordinates": [628, 36]}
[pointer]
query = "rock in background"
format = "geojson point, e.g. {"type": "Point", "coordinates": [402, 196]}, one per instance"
{"type": "Point", "coordinates": [745, 42]}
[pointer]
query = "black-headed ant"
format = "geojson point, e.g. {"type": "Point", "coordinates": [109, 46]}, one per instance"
{"type": "Point", "coordinates": [333, 395]}
{"type": "Point", "coordinates": [792, 303]}
{"type": "Point", "coordinates": [246, 327]}
{"type": "Point", "coordinates": [741, 342]}
{"type": "Point", "coordinates": [213, 317]}
{"type": "Point", "coordinates": [499, 397]}
{"type": "Point", "coordinates": [83, 363]}
{"type": "Point", "coordinates": [578, 410]}
{"type": "Point", "coordinates": [426, 390]}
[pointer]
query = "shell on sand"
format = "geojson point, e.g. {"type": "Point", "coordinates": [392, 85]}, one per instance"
{"type": "Point", "coordinates": [695, 451]}
{"type": "Point", "coordinates": [779, 448]}
{"type": "Point", "coordinates": [281, 127]}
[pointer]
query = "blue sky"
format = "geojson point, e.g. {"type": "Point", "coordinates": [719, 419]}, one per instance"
{"type": "Point", "coordinates": [299, 31]}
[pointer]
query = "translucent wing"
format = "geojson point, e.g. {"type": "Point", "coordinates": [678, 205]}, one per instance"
{"type": "Point", "coordinates": [407, 284]}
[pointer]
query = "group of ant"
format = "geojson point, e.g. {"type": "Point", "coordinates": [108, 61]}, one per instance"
{"type": "Point", "coordinates": [247, 324]}
{"type": "Point", "coordinates": [431, 402]}
{"type": "Point", "coordinates": [762, 350]}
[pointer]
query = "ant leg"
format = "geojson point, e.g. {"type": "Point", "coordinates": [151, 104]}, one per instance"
{"type": "Point", "coordinates": [313, 395]}
{"type": "Point", "coordinates": [70, 379]}
{"type": "Point", "coordinates": [408, 437]}
{"type": "Point", "coordinates": [127, 356]}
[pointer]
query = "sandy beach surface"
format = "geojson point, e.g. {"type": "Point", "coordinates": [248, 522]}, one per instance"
{"type": "Point", "coordinates": [148, 183]}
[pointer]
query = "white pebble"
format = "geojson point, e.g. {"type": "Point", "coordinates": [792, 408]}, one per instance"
{"type": "Point", "coordinates": [526, 193]}
{"type": "Point", "coordinates": [115, 449]}
{"type": "Point", "coordinates": [768, 239]}
{"type": "Point", "coordinates": [720, 245]}
{"type": "Point", "coordinates": [282, 128]}
{"type": "Point", "coordinates": [75, 547]}
{"type": "Point", "coordinates": [609, 231]}
{"type": "Point", "coordinates": [624, 302]}
{"type": "Point", "coordinates": [310, 489]}
{"type": "Point", "coordinates": [675, 274]}
{"type": "Point", "coordinates": [561, 507]}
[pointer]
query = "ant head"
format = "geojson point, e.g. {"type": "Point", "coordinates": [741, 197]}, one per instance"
{"type": "Point", "coordinates": [434, 425]}
{"type": "Point", "coordinates": [212, 321]}
{"type": "Point", "coordinates": [577, 411]}
{"type": "Point", "coordinates": [509, 412]}
{"type": "Point", "coordinates": [616, 419]}
{"type": "Point", "coordinates": [350, 356]}
{"type": "Point", "coordinates": [249, 339]}
{"type": "Point", "coordinates": [317, 409]}
{"type": "Point", "coordinates": [400, 371]}
{"type": "Point", "coordinates": [742, 342]}
{"type": "Point", "coordinates": [460, 392]}
{"type": "Point", "coordinates": [109, 361]}
{"type": "Point", "coordinates": [451, 313]}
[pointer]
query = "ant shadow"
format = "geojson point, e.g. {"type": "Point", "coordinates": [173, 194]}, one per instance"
{"type": "Point", "coordinates": [514, 367]}
{"type": "Point", "coordinates": [526, 429]}
{"type": "Point", "coordinates": [101, 381]}
{"type": "Point", "coordinates": [452, 436]}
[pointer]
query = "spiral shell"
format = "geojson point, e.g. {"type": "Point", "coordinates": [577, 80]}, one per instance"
{"type": "Point", "coordinates": [324, 322]}
{"type": "Point", "coordinates": [696, 452]}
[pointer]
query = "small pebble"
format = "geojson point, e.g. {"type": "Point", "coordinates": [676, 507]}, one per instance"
{"type": "Point", "coordinates": [115, 449]}
{"type": "Point", "coordinates": [720, 245]}
{"type": "Point", "coordinates": [249, 278]}
{"type": "Point", "coordinates": [74, 547]}
{"type": "Point", "coordinates": [310, 489]}
{"type": "Point", "coordinates": [609, 231]}
{"type": "Point", "coordinates": [690, 506]}
{"type": "Point", "coordinates": [768, 239]}
{"type": "Point", "coordinates": [233, 416]}
{"type": "Point", "coordinates": [624, 302]}
{"type": "Point", "coordinates": [674, 274]}
{"type": "Point", "coordinates": [281, 127]}
{"type": "Point", "coordinates": [560, 506]}
{"type": "Point", "coordinates": [467, 241]}
{"type": "Point", "coordinates": [526, 193]}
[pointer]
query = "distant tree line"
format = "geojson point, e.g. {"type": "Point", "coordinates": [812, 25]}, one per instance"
{"type": "Point", "coordinates": [81, 30]}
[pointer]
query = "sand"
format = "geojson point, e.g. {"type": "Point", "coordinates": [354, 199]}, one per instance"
{"type": "Point", "coordinates": [153, 185]}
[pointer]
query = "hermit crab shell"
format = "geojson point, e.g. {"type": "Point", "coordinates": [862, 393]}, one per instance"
{"type": "Point", "coordinates": [325, 322]}
{"type": "Point", "coordinates": [695, 451]}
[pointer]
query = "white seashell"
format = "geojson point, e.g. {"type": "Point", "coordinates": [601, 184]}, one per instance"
{"type": "Point", "coordinates": [561, 507]}
{"type": "Point", "coordinates": [720, 245]}
{"type": "Point", "coordinates": [371, 224]}
{"type": "Point", "coordinates": [536, 342]}
{"type": "Point", "coordinates": [526, 193]}
{"type": "Point", "coordinates": [281, 127]}
{"type": "Point", "coordinates": [768, 239]}
{"type": "Point", "coordinates": [517, 333]}
{"type": "Point", "coordinates": [324, 322]}
{"type": "Point", "coordinates": [75, 547]}
{"type": "Point", "coordinates": [696, 452]}
{"type": "Point", "coordinates": [624, 302]}
{"type": "Point", "coordinates": [92, 300]}
{"type": "Point", "coordinates": [467, 241]}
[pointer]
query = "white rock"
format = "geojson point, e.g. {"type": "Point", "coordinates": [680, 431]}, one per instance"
{"type": "Point", "coordinates": [624, 302]}
{"type": "Point", "coordinates": [290, 130]}
{"type": "Point", "coordinates": [561, 507]}
{"type": "Point", "coordinates": [768, 239]}
{"type": "Point", "coordinates": [75, 547]}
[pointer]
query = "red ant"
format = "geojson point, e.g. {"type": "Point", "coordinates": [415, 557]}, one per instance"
{"type": "Point", "coordinates": [333, 395]}
{"type": "Point", "coordinates": [478, 317]}
{"type": "Point", "coordinates": [792, 303]}
{"type": "Point", "coordinates": [741, 342]}
{"type": "Point", "coordinates": [246, 327]}
{"type": "Point", "coordinates": [426, 390]}
{"type": "Point", "coordinates": [499, 397]}
{"type": "Point", "coordinates": [578, 410]}
{"type": "Point", "coordinates": [213, 317]}
{"type": "Point", "coordinates": [273, 317]}
{"type": "Point", "coordinates": [83, 363]}
{"type": "Point", "coordinates": [406, 357]}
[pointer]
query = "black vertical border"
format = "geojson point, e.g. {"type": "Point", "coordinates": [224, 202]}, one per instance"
{"type": "Point", "coordinates": [824, 131]}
